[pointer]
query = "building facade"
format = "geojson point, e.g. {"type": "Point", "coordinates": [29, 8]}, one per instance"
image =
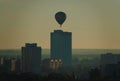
{"type": "Point", "coordinates": [61, 46]}
{"type": "Point", "coordinates": [31, 58]}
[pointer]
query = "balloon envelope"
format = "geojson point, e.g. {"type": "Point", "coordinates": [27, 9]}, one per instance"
{"type": "Point", "coordinates": [60, 17]}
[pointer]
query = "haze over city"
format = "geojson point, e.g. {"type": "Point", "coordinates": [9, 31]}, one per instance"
{"type": "Point", "coordinates": [94, 23]}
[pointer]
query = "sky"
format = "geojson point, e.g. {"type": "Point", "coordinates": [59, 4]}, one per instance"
{"type": "Point", "coordinates": [95, 24]}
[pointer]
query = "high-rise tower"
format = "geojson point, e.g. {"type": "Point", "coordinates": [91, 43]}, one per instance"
{"type": "Point", "coordinates": [31, 58]}
{"type": "Point", "coordinates": [61, 46]}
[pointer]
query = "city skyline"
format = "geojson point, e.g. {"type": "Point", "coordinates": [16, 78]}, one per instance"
{"type": "Point", "coordinates": [94, 24]}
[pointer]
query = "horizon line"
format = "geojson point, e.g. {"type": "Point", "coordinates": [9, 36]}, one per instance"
{"type": "Point", "coordinates": [72, 48]}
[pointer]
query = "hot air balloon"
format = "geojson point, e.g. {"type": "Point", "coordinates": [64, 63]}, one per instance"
{"type": "Point", "coordinates": [60, 17]}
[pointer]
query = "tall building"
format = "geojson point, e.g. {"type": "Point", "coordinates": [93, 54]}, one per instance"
{"type": "Point", "coordinates": [61, 46]}
{"type": "Point", "coordinates": [31, 58]}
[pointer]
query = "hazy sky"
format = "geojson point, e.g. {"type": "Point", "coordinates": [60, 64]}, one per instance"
{"type": "Point", "coordinates": [93, 23]}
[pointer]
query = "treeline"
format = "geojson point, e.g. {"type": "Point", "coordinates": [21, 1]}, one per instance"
{"type": "Point", "coordinates": [95, 76]}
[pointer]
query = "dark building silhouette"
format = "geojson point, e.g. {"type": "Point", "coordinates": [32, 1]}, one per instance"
{"type": "Point", "coordinates": [31, 58]}
{"type": "Point", "coordinates": [112, 70]}
{"type": "Point", "coordinates": [11, 64]}
{"type": "Point", "coordinates": [18, 65]}
{"type": "Point", "coordinates": [110, 65]}
{"type": "Point", "coordinates": [61, 46]}
{"type": "Point", "coordinates": [7, 64]}
{"type": "Point", "coordinates": [109, 58]}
